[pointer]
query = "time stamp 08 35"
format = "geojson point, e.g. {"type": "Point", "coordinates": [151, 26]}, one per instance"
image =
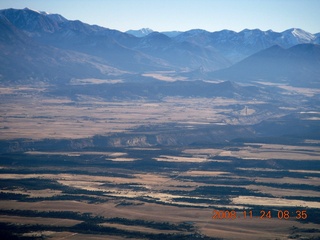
{"type": "Point", "coordinates": [264, 214]}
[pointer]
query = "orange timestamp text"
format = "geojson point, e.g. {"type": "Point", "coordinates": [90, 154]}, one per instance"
{"type": "Point", "coordinates": [264, 214]}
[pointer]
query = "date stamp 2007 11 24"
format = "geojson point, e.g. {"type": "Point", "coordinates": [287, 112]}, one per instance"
{"type": "Point", "coordinates": [264, 214]}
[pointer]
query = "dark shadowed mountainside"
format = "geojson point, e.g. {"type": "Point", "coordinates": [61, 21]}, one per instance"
{"type": "Point", "coordinates": [298, 65]}
{"type": "Point", "coordinates": [56, 31]}
{"type": "Point", "coordinates": [157, 90]}
{"type": "Point", "coordinates": [181, 55]}
{"type": "Point", "coordinates": [22, 58]}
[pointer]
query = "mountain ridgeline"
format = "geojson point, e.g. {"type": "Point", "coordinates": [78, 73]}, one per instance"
{"type": "Point", "coordinates": [38, 45]}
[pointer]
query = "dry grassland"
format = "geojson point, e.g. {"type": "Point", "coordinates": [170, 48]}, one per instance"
{"type": "Point", "coordinates": [137, 228]}
{"type": "Point", "coordinates": [148, 180]}
{"type": "Point", "coordinates": [281, 192]}
{"type": "Point", "coordinates": [305, 91]}
{"type": "Point", "coordinates": [305, 171]}
{"type": "Point", "coordinates": [39, 220]}
{"type": "Point", "coordinates": [180, 159]}
{"type": "Point", "coordinates": [314, 181]}
{"type": "Point", "coordinates": [34, 193]}
{"type": "Point", "coordinates": [28, 113]}
{"type": "Point", "coordinates": [252, 229]}
{"type": "Point", "coordinates": [122, 159]}
{"type": "Point", "coordinates": [164, 76]}
{"type": "Point", "coordinates": [262, 152]}
{"type": "Point", "coordinates": [72, 236]}
{"type": "Point", "coordinates": [264, 201]}
{"type": "Point", "coordinates": [77, 154]}
{"type": "Point", "coordinates": [204, 173]}
{"type": "Point", "coordinates": [74, 206]}
{"type": "Point", "coordinates": [94, 81]}
{"type": "Point", "coordinates": [151, 184]}
{"type": "Point", "coordinates": [284, 147]}
{"type": "Point", "coordinates": [224, 228]}
{"type": "Point", "coordinates": [206, 151]}
{"type": "Point", "coordinates": [260, 169]}
{"type": "Point", "coordinates": [78, 236]}
{"type": "Point", "coordinates": [294, 90]}
{"type": "Point", "coordinates": [154, 185]}
{"type": "Point", "coordinates": [48, 234]}
{"type": "Point", "coordinates": [267, 152]}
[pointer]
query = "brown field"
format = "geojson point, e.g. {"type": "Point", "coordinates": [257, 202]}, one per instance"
{"type": "Point", "coordinates": [77, 154]}
{"type": "Point", "coordinates": [252, 229]}
{"type": "Point", "coordinates": [204, 173]}
{"type": "Point", "coordinates": [271, 151]}
{"type": "Point", "coordinates": [38, 220]}
{"type": "Point", "coordinates": [70, 235]}
{"type": "Point", "coordinates": [180, 159]}
{"type": "Point", "coordinates": [223, 228]}
{"type": "Point", "coordinates": [263, 201]}
{"type": "Point", "coordinates": [281, 192]}
{"type": "Point", "coordinates": [137, 228]}
{"type": "Point", "coordinates": [27, 113]}
{"type": "Point", "coordinates": [78, 236]}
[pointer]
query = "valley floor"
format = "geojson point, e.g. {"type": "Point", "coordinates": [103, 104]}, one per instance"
{"type": "Point", "coordinates": [179, 168]}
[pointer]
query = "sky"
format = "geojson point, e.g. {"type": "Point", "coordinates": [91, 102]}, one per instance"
{"type": "Point", "coordinates": [183, 15]}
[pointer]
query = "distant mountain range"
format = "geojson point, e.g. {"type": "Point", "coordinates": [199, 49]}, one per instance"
{"type": "Point", "coordinates": [40, 45]}
{"type": "Point", "coordinates": [146, 31]}
{"type": "Point", "coordinates": [298, 65]}
{"type": "Point", "coordinates": [236, 46]}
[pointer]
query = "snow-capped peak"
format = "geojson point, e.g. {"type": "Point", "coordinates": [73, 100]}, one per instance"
{"type": "Point", "coordinates": [146, 30]}
{"type": "Point", "coordinates": [40, 12]}
{"type": "Point", "coordinates": [303, 35]}
{"type": "Point", "coordinates": [141, 32]}
{"type": "Point", "coordinates": [52, 16]}
{"type": "Point", "coordinates": [296, 36]}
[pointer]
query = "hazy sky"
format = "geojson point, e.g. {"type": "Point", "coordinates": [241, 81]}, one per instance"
{"type": "Point", "coordinates": [182, 15]}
